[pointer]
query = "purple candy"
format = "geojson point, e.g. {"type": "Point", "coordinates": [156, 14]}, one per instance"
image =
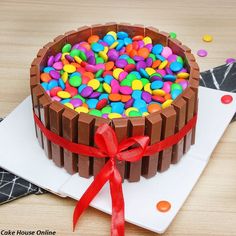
{"type": "Point", "coordinates": [149, 62]}
{"type": "Point", "coordinates": [140, 43]}
{"type": "Point", "coordinates": [58, 57]}
{"type": "Point", "coordinates": [105, 116]}
{"type": "Point", "coordinates": [126, 90]}
{"type": "Point", "coordinates": [183, 70]}
{"type": "Point", "coordinates": [81, 48]}
{"type": "Point", "coordinates": [76, 102]}
{"type": "Point", "coordinates": [138, 58]}
{"type": "Point", "coordinates": [50, 61]}
{"type": "Point", "coordinates": [91, 60]}
{"type": "Point", "coordinates": [89, 53]}
{"type": "Point", "coordinates": [147, 97]}
{"type": "Point", "coordinates": [169, 71]}
{"type": "Point", "coordinates": [112, 54]}
{"type": "Point", "coordinates": [87, 91]}
{"type": "Point", "coordinates": [69, 58]}
{"type": "Point", "coordinates": [230, 60]}
{"type": "Point", "coordinates": [202, 53]}
{"type": "Point", "coordinates": [58, 65]}
{"type": "Point", "coordinates": [121, 63]}
{"type": "Point", "coordinates": [76, 46]}
{"type": "Point", "coordinates": [141, 65]}
{"type": "Point", "coordinates": [104, 44]}
{"type": "Point", "coordinates": [149, 47]}
{"type": "Point", "coordinates": [129, 103]}
{"type": "Point", "coordinates": [122, 75]}
{"type": "Point", "coordinates": [155, 77]}
{"type": "Point", "coordinates": [54, 74]}
{"type": "Point", "coordinates": [95, 95]}
{"type": "Point", "coordinates": [172, 58]}
{"type": "Point", "coordinates": [122, 50]}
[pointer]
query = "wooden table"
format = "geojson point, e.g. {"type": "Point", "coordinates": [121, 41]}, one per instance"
{"type": "Point", "coordinates": [26, 25]}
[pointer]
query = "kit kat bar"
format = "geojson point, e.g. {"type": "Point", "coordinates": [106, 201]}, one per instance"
{"type": "Point", "coordinates": [180, 107]}
{"type": "Point", "coordinates": [86, 137]}
{"type": "Point", "coordinates": [168, 128]}
{"type": "Point", "coordinates": [136, 128]}
{"type": "Point", "coordinates": [69, 132]}
{"type": "Point", "coordinates": [44, 103]}
{"type": "Point", "coordinates": [55, 119]}
{"type": "Point", "coordinates": [189, 97]}
{"type": "Point", "coordinates": [156, 35]}
{"type": "Point", "coordinates": [120, 126]}
{"type": "Point", "coordinates": [99, 162]}
{"type": "Point", "coordinates": [37, 92]}
{"type": "Point", "coordinates": [132, 30]}
{"type": "Point", "coordinates": [101, 30]}
{"type": "Point", "coordinates": [153, 123]}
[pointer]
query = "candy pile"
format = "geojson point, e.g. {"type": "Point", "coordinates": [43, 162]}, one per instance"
{"type": "Point", "coordinates": [116, 76]}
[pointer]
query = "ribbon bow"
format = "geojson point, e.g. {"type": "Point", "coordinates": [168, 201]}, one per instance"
{"type": "Point", "coordinates": [131, 149]}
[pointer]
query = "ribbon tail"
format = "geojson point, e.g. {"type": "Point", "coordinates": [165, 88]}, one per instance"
{"type": "Point", "coordinates": [118, 221]}
{"type": "Point", "coordinates": [102, 177]}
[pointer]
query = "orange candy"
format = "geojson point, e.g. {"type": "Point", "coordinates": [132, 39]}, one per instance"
{"type": "Point", "coordinates": [65, 62]}
{"type": "Point", "coordinates": [167, 96]}
{"type": "Point", "coordinates": [128, 48]}
{"type": "Point", "coordinates": [109, 65]}
{"type": "Point", "coordinates": [179, 80]}
{"type": "Point", "coordinates": [143, 52]}
{"type": "Point", "coordinates": [45, 77]}
{"type": "Point", "coordinates": [115, 97]}
{"type": "Point", "coordinates": [93, 38]}
{"type": "Point", "coordinates": [153, 107]}
{"type": "Point", "coordinates": [89, 74]}
{"type": "Point", "coordinates": [85, 45]}
{"type": "Point", "coordinates": [137, 37]}
{"type": "Point", "coordinates": [125, 98]}
{"type": "Point", "coordinates": [156, 63]}
{"type": "Point", "coordinates": [163, 206]}
{"type": "Point", "coordinates": [133, 53]}
{"type": "Point", "coordinates": [84, 105]}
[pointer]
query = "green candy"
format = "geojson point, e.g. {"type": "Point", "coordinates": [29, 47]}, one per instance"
{"type": "Point", "coordinates": [75, 52]}
{"type": "Point", "coordinates": [173, 35]}
{"type": "Point", "coordinates": [95, 112]}
{"type": "Point", "coordinates": [152, 56]}
{"type": "Point", "coordinates": [176, 86]}
{"type": "Point", "coordinates": [126, 82]}
{"type": "Point", "coordinates": [180, 60]}
{"type": "Point", "coordinates": [130, 61]}
{"type": "Point", "coordinates": [75, 81]}
{"type": "Point", "coordinates": [100, 88]}
{"type": "Point", "coordinates": [145, 81]}
{"type": "Point", "coordinates": [99, 60]}
{"type": "Point", "coordinates": [131, 77]}
{"type": "Point", "coordinates": [83, 56]}
{"type": "Point", "coordinates": [135, 113]}
{"type": "Point", "coordinates": [80, 97]}
{"type": "Point", "coordinates": [156, 74]}
{"type": "Point", "coordinates": [66, 48]}
{"type": "Point", "coordinates": [106, 110]}
{"type": "Point", "coordinates": [99, 73]}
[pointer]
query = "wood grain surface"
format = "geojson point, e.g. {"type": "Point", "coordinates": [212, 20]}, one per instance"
{"type": "Point", "coordinates": [26, 25]}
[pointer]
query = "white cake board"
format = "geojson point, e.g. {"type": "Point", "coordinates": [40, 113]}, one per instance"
{"type": "Point", "coordinates": [28, 161]}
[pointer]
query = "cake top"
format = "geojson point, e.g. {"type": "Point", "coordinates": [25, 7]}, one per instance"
{"type": "Point", "coordinates": [115, 76]}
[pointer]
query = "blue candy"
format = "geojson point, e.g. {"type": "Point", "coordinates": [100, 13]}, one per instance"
{"type": "Point", "coordinates": [122, 35]}
{"type": "Point", "coordinates": [97, 47]}
{"type": "Point", "coordinates": [81, 87]}
{"type": "Point", "coordinates": [144, 73]}
{"type": "Point", "coordinates": [109, 39]}
{"type": "Point", "coordinates": [176, 66]}
{"type": "Point", "coordinates": [137, 94]}
{"type": "Point", "coordinates": [157, 84]}
{"type": "Point", "coordinates": [65, 101]}
{"type": "Point", "coordinates": [103, 95]}
{"type": "Point", "coordinates": [61, 83]}
{"type": "Point", "coordinates": [159, 57]}
{"type": "Point", "coordinates": [52, 84]}
{"type": "Point", "coordinates": [175, 93]}
{"type": "Point", "coordinates": [139, 103]}
{"type": "Point", "coordinates": [157, 49]}
{"type": "Point", "coordinates": [127, 41]}
{"type": "Point", "coordinates": [92, 103]}
{"type": "Point", "coordinates": [108, 79]}
{"type": "Point", "coordinates": [47, 69]}
{"type": "Point", "coordinates": [171, 78]}
{"type": "Point", "coordinates": [117, 107]}
{"type": "Point", "coordinates": [120, 44]}
{"type": "Point", "coordinates": [45, 86]}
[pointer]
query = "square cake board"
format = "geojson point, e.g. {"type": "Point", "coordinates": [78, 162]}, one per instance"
{"type": "Point", "coordinates": [28, 161]}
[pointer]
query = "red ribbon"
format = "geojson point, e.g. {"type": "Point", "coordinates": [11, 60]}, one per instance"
{"type": "Point", "coordinates": [131, 150]}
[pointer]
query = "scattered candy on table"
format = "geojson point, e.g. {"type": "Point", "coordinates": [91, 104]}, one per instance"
{"type": "Point", "coordinates": [230, 60]}
{"type": "Point", "coordinates": [207, 38]}
{"type": "Point", "coordinates": [202, 53]}
{"type": "Point", "coordinates": [115, 76]}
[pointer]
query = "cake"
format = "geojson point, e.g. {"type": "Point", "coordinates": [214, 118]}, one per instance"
{"type": "Point", "coordinates": [77, 126]}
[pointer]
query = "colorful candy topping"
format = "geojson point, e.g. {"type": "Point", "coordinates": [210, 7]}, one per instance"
{"type": "Point", "coordinates": [230, 60]}
{"type": "Point", "coordinates": [226, 99]}
{"type": "Point", "coordinates": [207, 38]}
{"type": "Point", "coordinates": [115, 76]}
{"type": "Point", "coordinates": [163, 206]}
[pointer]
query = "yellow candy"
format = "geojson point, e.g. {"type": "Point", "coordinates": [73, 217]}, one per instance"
{"type": "Point", "coordinates": [207, 38]}
{"type": "Point", "coordinates": [145, 113]}
{"type": "Point", "coordinates": [159, 92]}
{"type": "Point", "coordinates": [94, 83]}
{"type": "Point", "coordinates": [128, 110]}
{"type": "Point", "coordinates": [63, 94]}
{"type": "Point", "coordinates": [82, 109]}
{"type": "Point", "coordinates": [167, 103]}
{"type": "Point", "coordinates": [114, 115]}
{"type": "Point", "coordinates": [163, 65]}
{"type": "Point", "coordinates": [147, 88]}
{"type": "Point", "coordinates": [137, 84]}
{"type": "Point", "coordinates": [147, 40]}
{"type": "Point", "coordinates": [150, 70]}
{"type": "Point", "coordinates": [114, 44]}
{"type": "Point", "coordinates": [78, 59]}
{"type": "Point", "coordinates": [183, 75]}
{"type": "Point", "coordinates": [107, 87]}
{"type": "Point", "coordinates": [117, 72]}
{"type": "Point", "coordinates": [69, 68]}
{"type": "Point", "coordinates": [64, 54]}
{"type": "Point", "coordinates": [64, 77]}
{"type": "Point", "coordinates": [69, 105]}
{"type": "Point", "coordinates": [113, 33]}
{"type": "Point", "coordinates": [103, 55]}
{"type": "Point", "coordinates": [106, 49]}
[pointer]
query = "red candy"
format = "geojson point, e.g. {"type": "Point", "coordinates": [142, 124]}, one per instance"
{"type": "Point", "coordinates": [54, 91]}
{"type": "Point", "coordinates": [102, 103]}
{"type": "Point", "coordinates": [226, 99]}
